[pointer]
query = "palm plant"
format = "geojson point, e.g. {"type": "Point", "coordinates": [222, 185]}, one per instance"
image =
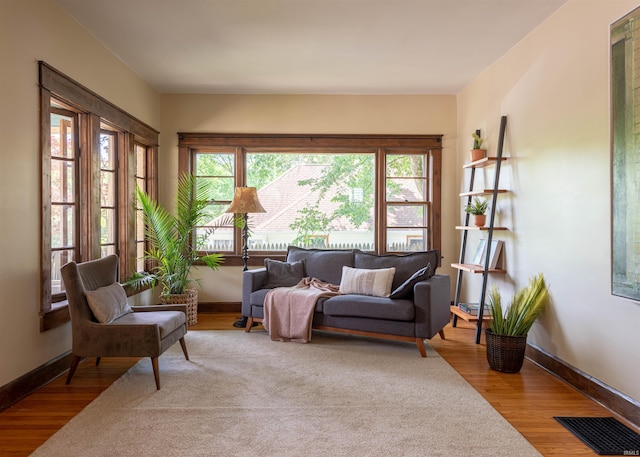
{"type": "Point", "coordinates": [526, 306]}
{"type": "Point", "coordinates": [173, 245]}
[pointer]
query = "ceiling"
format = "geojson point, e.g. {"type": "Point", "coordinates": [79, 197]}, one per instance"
{"type": "Point", "coordinates": [309, 46]}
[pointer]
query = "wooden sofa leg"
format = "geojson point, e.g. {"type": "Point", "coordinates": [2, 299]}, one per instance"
{"type": "Point", "coordinates": [249, 324]}
{"type": "Point", "coordinates": [72, 369]}
{"type": "Point", "coordinates": [156, 371]}
{"type": "Point", "coordinates": [184, 348]}
{"type": "Point", "coordinates": [441, 333]}
{"type": "Point", "coordinates": [420, 344]}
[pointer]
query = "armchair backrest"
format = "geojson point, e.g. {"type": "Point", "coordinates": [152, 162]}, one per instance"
{"type": "Point", "coordinates": [91, 275]}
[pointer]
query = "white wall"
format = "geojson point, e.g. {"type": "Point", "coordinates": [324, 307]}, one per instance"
{"type": "Point", "coordinates": [32, 30]}
{"type": "Point", "coordinates": [307, 114]}
{"type": "Point", "coordinates": [554, 88]}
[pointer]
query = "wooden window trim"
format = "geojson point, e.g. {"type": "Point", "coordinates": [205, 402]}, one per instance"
{"type": "Point", "coordinates": [92, 111]}
{"type": "Point", "coordinates": [189, 143]}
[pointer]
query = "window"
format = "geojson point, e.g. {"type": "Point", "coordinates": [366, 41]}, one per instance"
{"type": "Point", "coordinates": [374, 193]}
{"type": "Point", "coordinates": [87, 188]}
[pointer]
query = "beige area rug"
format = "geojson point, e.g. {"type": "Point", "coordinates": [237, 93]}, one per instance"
{"type": "Point", "coordinates": [245, 395]}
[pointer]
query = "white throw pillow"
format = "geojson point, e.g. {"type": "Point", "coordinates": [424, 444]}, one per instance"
{"type": "Point", "coordinates": [359, 281]}
{"type": "Point", "coordinates": [108, 303]}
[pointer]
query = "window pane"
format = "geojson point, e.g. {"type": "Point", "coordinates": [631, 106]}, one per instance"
{"type": "Point", "coordinates": [62, 136]}
{"type": "Point", "coordinates": [313, 200]}
{"type": "Point", "coordinates": [59, 258]}
{"type": "Point", "coordinates": [62, 179]}
{"type": "Point", "coordinates": [140, 262]}
{"type": "Point", "coordinates": [108, 189]}
{"type": "Point", "coordinates": [107, 151]}
{"type": "Point", "coordinates": [404, 240]}
{"type": "Point", "coordinates": [107, 226]}
{"type": "Point", "coordinates": [218, 240]}
{"type": "Point", "coordinates": [62, 226]}
{"type": "Point", "coordinates": [406, 216]}
{"type": "Point", "coordinates": [406, 190]}
{"type": "Point", "coordinates": [407, 166]}
{"type": "Point", "coordinates": [106, 250]}
{"type": "Point", "coordinates": [215, 164]}
{"type": "Point", "coordinates": [141, 156]}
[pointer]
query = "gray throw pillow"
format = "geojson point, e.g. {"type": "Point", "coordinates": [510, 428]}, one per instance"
{"type": "Point", "coordinates": [283, 274]}
{"type": "Point", "coordinates": [108, 303]}
{"type": "Point", "coordinates": [405, 289]}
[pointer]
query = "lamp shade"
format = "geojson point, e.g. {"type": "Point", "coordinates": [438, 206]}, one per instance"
{"type": "Point", "coordinates": [245, 200]}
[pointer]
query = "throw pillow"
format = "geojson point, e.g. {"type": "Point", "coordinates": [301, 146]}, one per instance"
{"type": "Point", "coordinates": [405, 264]}
{"type": "Point", "coordinates": [406, 288]}
{"type": "Point", "coordinates": [358, 281]}
{"type": "Point", "coordinates": [108, 303]}
{"type": "Point", "coordinates": [283, 274]}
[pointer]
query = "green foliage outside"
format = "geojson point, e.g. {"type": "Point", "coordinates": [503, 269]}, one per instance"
{"type": "Point", "coordinates": [342, 174]}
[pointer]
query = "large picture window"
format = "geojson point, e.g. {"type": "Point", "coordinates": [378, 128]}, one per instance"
{"type": "Point", "coordinates": [379, 194]}
{"type": "Point", "coordinates": [93, 155]}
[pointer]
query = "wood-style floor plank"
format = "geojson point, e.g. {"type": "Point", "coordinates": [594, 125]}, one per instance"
{"type": "Point", "coordinates": [528, 400]}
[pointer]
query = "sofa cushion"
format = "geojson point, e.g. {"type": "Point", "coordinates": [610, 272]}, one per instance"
{"type": "Point", "coordinates": [108, 303]}
{"type": "Point", "coordinates": [405, 264]}
{"type": "Point", "coordinates": [370, 307]}
{"type": "Point", "coordinates": [323, 264]}
{"type": "Point", "coordinates": [376, 283]}
{"type": "Point", "coordinates": [283, 274]}
{"type": "Point", "coordinates": [405, 289]}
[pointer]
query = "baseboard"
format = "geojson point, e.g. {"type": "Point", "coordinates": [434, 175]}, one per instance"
{"type": "Point", "coordinates": [28, 383]}
{"type": "Point", "coordinates": [220, 307]}
{"type": "Point", "coordinates": [607, 396]}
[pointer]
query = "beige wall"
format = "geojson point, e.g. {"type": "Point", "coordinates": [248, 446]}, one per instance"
{"type": "Point", "coordinates": [32, 30]}
{"type": "Point", "coordinates": [554, 88]}
{"type": "Point", "coordinates": [428, 114]}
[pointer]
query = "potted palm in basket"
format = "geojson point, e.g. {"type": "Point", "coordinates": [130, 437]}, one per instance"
{"type": "Point", "coordinates": [174, 246]}
{"type": "Point", "coordinates": [507, 332]}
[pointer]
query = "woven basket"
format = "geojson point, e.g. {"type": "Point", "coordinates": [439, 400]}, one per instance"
{"type": "Point", "coordinates": [189, 298]}
{"type": "Point", "coordinates": [505, 353]}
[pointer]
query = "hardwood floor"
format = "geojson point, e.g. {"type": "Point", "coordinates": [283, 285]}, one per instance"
{"type": "Point", "coordinates": [528, 400]}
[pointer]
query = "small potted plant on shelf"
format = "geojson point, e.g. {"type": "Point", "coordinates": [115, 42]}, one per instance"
{"type": "Point", "coordinates": [477, 152]}
{"type": "Point", "coordinates": [477, 208]}
{"type": "Point", "coordinates": [507, 332]}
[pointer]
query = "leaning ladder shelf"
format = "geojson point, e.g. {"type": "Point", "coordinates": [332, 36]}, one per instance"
{"type": "Point", "coordinates": [484, 270]}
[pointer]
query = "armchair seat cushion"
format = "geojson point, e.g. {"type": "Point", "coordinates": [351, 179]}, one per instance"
{"type": "Point", "coordinates": [370, 307]}
{"type": "Point", "coordinates": [167, 321]}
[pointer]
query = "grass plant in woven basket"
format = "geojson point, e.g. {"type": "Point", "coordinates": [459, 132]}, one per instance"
{"type": "Point", "coordinates": [507, 333]}
{"type": "Point", "coordinates": [174, 244]}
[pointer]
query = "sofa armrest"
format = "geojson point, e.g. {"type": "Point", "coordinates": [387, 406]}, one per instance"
{"type": "Point", "coordinates": [432, 299]}
{"type": "Point", "coordinates": [252, 280]}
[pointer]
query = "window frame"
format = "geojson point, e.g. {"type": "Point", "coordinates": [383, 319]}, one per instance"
{"type": "Point", "coordinates": [430, 146]}
{"type": "Point", "coordinates": [93, 113]}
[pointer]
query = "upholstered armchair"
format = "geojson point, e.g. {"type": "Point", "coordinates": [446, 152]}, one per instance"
{"type": "Point", "coordinates": [104, 325]}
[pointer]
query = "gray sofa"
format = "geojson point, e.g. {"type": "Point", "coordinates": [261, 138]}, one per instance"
{"type": "Point", "coordinates": [417, 308]}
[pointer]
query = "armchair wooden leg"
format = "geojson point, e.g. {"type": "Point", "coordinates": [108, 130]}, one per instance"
{"type": "Point", "coordinates": [184, 348]}
{"type": "Point", "coordinates": [98, 360]}
{"type": "Point", "coordinates": [441, 332]}
{"type": "Point", "coordinates": [156, 371]}
{"type": "Point", "coordinates": [72, 369]}
{"type": "Point", "coordinates": [249, 324]}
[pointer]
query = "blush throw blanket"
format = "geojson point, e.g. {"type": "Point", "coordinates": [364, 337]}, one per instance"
{"type": "Point", "coordinates": [288, 311]}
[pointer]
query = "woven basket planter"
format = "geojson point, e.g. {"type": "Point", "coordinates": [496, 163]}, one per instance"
{"type": "Point", "coordinates": [189, 298]}
{"type": "Point", "coordinates": [505, 353]}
